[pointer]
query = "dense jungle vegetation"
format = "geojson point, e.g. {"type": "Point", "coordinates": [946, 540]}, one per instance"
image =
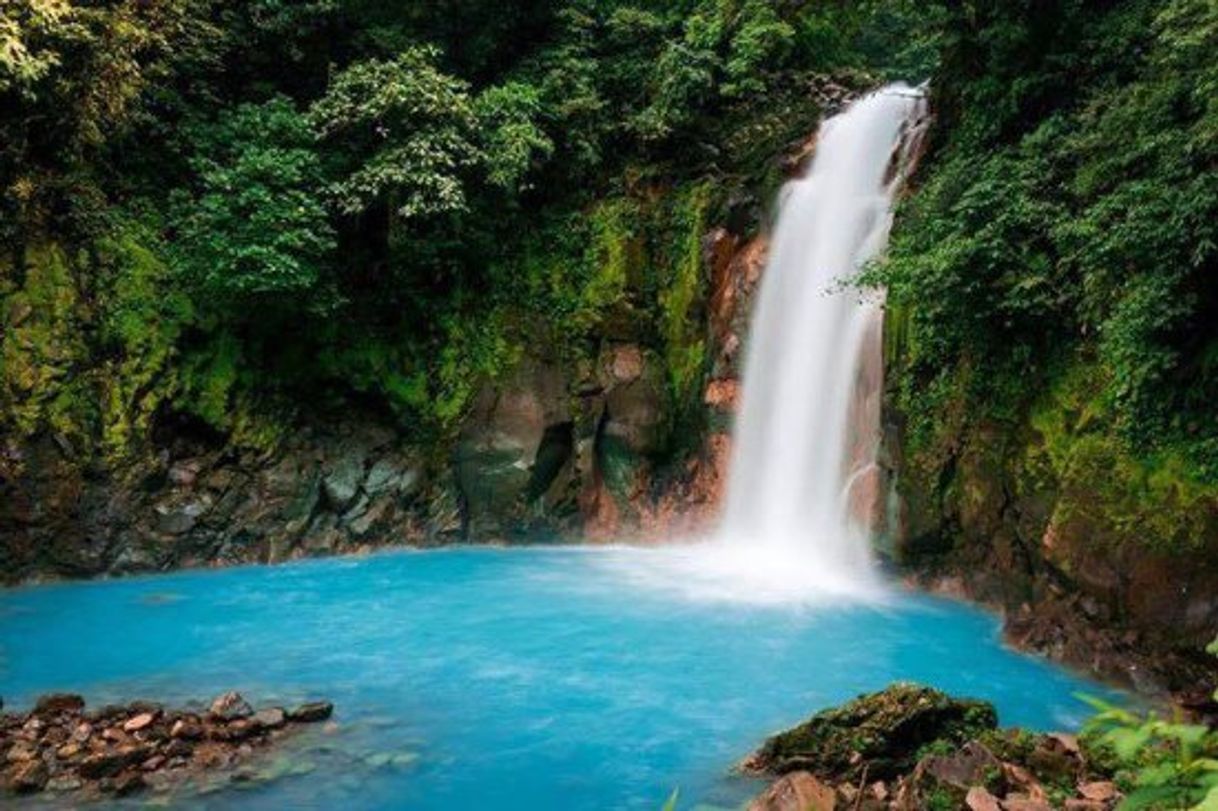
{"type": "Point", "coordinates": [1056, 269]}
{"type": "Point", "coordinates": [227, 209]}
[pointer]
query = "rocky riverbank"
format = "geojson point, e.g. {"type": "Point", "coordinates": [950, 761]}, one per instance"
{"type": "Point", "coordinates": [63, 748]}
{"type": "Point", "coordinates": [909, 748]}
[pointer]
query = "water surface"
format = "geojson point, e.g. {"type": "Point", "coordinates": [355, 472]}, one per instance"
{"type": "Point", "coordinates": [541, 678]}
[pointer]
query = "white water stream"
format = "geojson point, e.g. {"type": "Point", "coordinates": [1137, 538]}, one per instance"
{"type": "Point", "coordinates": [803, 483]}
{"type": "Point", "coordinates": [809, 425]}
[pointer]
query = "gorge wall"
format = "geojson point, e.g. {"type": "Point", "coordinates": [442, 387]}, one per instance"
{"type": "Point", "coordinates": [551, 449]}
{"type": "Point", "coordinates": [1094, 559]}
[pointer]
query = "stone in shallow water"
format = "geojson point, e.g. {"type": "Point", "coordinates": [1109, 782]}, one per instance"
{"type": "Point", "coordinates": [272, 718]}
{"type": "Point", "coordinates": [231, 705]}
{"type": "Point", "coordinates": [58, 702]}
{"type": "Point", "coordinates": [311, 712]}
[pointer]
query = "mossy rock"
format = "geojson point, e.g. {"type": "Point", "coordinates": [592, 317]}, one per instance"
{"type": "Point", "coordinates": [882, 732]}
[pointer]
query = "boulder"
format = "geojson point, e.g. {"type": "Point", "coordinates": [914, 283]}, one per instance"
{"type": "Point", "coordinates": [797, 791]}
{"type": "Point", "coordinates": [880, 732]}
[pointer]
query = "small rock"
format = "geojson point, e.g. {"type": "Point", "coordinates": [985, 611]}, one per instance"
{"type": "Point", "coordinates": [237, 730]}
{"type": "Point", "coordinates": [58, 702]}
{"type": "Point", "coordinates": [128, 783]}
{"type": "Point", "coordinates": [68, 751]}
{"type": "Point", "coordinates": [311, 712]}
{"type": "Point", "coordinates": [978, 799]}
{"type": "Point", "coordinates": [28, 777]}
{"type": "Point", "coordinates": [64, 782]}
{"type": "Point", "coordinates": [107, 764]}
{"type": "Point", "coordinates": [272, 718]}
{"type": "Point", "coordinates": [186, 730]}
{"type": "Point", "coordinates": [797, 791]}
{"type": "Point", "coordinates": [231, 705]}
{"type": "Point", "coordinates": [82, 732]}
{"type": "Point", "coordinates": [1023, 803]}
{"type": "Point", "coordinates": [1101, 791]}
{"type": "Point", "coordinates": [141, 721]}
{"type": "Point", "coordinates": [153, 763]}
{"type": "Point", "coordinates": [114, 735]}
{"type": "Point", "coordinates": [179, 748]}
{"type": "Point", "coordinates": [21, 753]}
{"type": "Point", "coordinates": [1075, 804]}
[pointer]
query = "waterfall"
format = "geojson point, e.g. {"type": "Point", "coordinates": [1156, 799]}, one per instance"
{"type": "Point", "coordinates": [803, 479]}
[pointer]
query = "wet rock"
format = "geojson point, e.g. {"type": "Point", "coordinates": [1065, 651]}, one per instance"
{"type": "Point", "coordinates": [180, 519]}
{"type": "Point", "coordinates": [881, 732]}
{"type": "Point", "coordinates": [63, 782]}
{"type": "Point", "coordinates": [107, 764]}
{"type": "Point", "coordinates": [797, 791]}
{"type": "Point", "coordinates": [128, 783]}
{"type": "Point", "coordinates": [311, 712]}
{"type": "Point", "coordinates": [272, 718]}
{"type": "Point", "coordinates": [58, 702]}
{"type": "Point", "coordinates": [178, 748]}
{"type": "Point", "coordinates": [229, 706]}
{"type": "Point", "coordinates": [341, 483]}
{"type": "Point", "coordinates": [139, 722]}
{"type": "Point", "coordinates": [28, 777]}
{"type": "Point", "coordinates": [21, 753]}
{"type": "Point", "coordinates": [186, 729]}
{"type": "Point", "coordinates": [68, 751]}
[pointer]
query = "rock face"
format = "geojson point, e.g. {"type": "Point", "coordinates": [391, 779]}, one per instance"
{"type": "Point", "coordinates": [120, 750]}
{"type": "Point", "coordinates": [332, 486]}
{"type": "Point", "coordinates": [881, 732]}
{"type": "Point", "coordinates": [983, 516]}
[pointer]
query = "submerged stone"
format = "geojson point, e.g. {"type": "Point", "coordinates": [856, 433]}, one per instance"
{"type": "Point", "coordinates": [58, 702]}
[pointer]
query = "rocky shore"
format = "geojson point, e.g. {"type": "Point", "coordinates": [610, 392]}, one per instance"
{"type": "Point", "coordinates": [61, 747]}
{"type": "Point", "coordinates": [910, 748]}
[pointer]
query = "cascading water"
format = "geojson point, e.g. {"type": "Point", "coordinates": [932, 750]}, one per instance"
{"type": "Point", "coordinates": [803, 481]}
{"type": "Point", "coordinates": [808, 428]}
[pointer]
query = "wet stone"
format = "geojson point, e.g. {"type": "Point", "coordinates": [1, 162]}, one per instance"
{"type": "Point", "coordinates": [311, 712]}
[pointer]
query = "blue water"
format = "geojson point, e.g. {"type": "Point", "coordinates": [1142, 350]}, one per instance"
{"type": "Point", "coordinates": [538, 678]}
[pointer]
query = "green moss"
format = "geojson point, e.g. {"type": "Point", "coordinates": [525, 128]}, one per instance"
{"type": "Point", "coordinates": [1120, 497]}
{"type": "Point", "coordinates": [43, 356]}
{"type": "Point", "coordinates": [142, 319]}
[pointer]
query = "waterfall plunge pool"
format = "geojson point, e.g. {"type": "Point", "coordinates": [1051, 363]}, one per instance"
{"type": "Point", "coordinates": [522, 678]}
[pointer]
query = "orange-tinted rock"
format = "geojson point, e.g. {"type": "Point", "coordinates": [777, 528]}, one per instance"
{"type": "Point", "coordinates": [798, 791]}
{"type": "Point", "coordinates": [978, 799]}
